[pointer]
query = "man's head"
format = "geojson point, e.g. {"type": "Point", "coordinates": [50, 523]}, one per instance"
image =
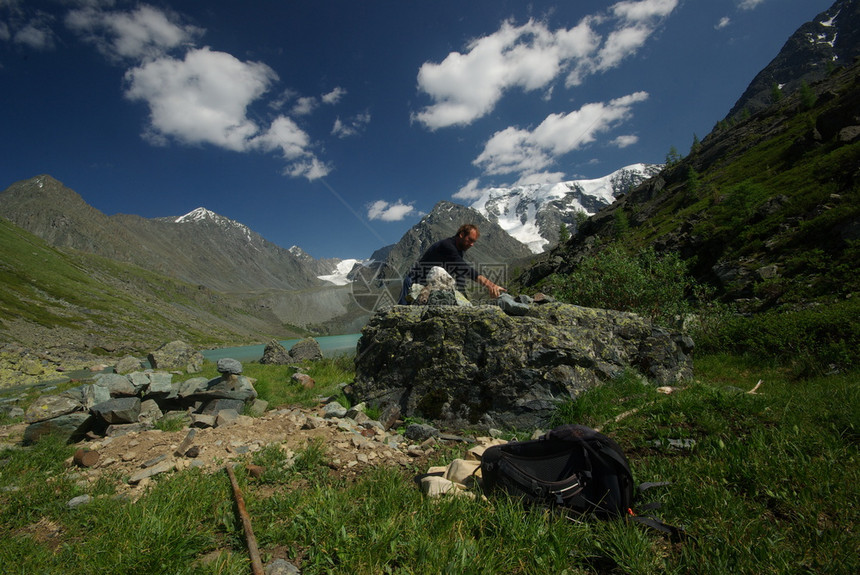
{"type": "Point", "coordinates": [466, 236]}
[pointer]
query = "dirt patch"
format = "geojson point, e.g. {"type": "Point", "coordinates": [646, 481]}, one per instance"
{"type": "Point", "coordinates": [349, 449]}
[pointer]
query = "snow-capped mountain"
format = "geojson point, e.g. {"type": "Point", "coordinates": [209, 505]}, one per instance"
{"type": "Point", "coordinates": [203, 215]}
{"type": "Point", "coordinates": [533, 213]}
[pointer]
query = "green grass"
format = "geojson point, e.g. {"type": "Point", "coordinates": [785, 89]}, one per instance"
{"type": "Point", "coordinates": [54, 288]}
{"type": "Point", "coordinates": [274, 384]}
{"type": "Point", "coordinates": [768, 485]}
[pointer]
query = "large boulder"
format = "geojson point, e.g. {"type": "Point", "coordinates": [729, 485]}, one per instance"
{"type": "Point", "coordinates": [275, 354]}
{"type": "Point", "coordinates": [480, 367]}
{"type": "Point", "coordinates": [307, 349]}
{"type": "Point", "coordinates": [176, 355]}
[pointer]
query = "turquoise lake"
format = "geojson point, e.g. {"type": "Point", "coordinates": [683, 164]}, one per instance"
{"type": "Point", "coordinates": [331, 346]}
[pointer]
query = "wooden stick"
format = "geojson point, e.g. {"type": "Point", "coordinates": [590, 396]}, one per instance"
{"type": "Point", "coordinates": [256, 563]}
{"type": "Point", "coordinates": [754, 390]}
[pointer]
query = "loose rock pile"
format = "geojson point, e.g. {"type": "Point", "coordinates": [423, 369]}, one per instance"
{"type": "Point", "coordinates": [116, 404]}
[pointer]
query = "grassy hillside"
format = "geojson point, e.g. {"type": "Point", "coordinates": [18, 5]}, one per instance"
{"type": "Point", "coordinates": [48, 296]}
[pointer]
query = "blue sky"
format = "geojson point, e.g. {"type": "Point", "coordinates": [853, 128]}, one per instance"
{"type": "Point", "coordinates": [335, 125]}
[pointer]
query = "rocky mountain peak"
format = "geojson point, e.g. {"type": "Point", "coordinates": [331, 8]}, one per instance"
{"type": "Point", "coordinates": [534, 213]}
{"type": "Point", "coordinates": [197, 215]}
{"type": "Point", "coordinates": [830, 40]}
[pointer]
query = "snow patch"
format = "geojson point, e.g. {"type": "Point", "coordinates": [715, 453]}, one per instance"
{"type": "Point", "coordinates": [339, 276]}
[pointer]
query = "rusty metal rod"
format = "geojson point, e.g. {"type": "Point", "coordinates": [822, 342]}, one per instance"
{"type": "Point", "coordinates": [256, 563]}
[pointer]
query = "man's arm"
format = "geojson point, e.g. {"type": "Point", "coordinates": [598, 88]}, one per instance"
{"type": "Point", "coordinates": [495, 290]}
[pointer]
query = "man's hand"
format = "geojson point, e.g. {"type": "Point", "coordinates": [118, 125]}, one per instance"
{"type": "Point", "coordinates": [495, 290]}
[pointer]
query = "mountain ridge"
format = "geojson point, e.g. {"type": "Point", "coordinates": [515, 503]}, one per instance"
{"type": "Point", "coordinates": [809, 54]}
{"type": "Point", "coordinates": [534, 213]}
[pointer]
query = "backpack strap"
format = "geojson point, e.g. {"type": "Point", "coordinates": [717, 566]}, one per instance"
{"type": "Point", "coordinates": [676, 534]}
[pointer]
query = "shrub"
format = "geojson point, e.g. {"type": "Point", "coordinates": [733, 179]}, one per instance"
{"type": "Point", "coordinates": [648, 283]}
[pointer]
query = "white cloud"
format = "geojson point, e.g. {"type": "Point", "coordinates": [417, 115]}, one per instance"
{"type": "Point", "coordinates": [750, 4]}
{"type": "Point", "coordinates": [311, 168]}
{"type": "Point", "coordinates": [36, 35]}
{"type": "Point", "coordinates": [202, 98]}
{"type": "Point", "coordinates": [723, 23]}
{"type": "Point", "coordinates": [382, 210]}
{"type": "Point", "coordinates": [334, 96]}
{"type": "Point", "coordinates": [641, 10]}
{"type": "Point", "coordinates": [470, 191]}
{"type": "Point", "coordinates": [625, 141]}
{"type": "Point", "coordinates": [620, 44]}
{"type": "Point", "coordinates": [514, 150]}
{"type": "Point", "coordinates": [145, 33]}
{"type": "Point", "coordinates": [25, 26]}
{"type": "Point", "coordinates": [305, 106]}
{"type": "Point", "coordinates": [351, 127]}
{"type": "Point", "coordinates": [284, 135]}
{"type": "Point", "coordinates": [467, 86]}
{"type": "Point", "coordinates": [295, 146]}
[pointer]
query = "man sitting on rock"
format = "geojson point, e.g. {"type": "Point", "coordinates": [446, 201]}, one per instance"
{"type": "Point", "coordinates": [448, 254]}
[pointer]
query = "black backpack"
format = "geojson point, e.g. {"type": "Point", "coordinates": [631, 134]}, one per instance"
{"type": "Point", "coordinates": [572, 467]}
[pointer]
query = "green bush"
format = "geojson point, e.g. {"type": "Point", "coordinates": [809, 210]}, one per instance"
{"type": "Point", "coordinates": [648, 283]}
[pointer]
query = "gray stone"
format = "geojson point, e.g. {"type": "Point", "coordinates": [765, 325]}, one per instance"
{"type": "Point", "coordinates": [72, 426]}
{"type": "Point", "coordinates": [767, 272]}
{"type": "Point", "coordinates": [441, 297]}
{"type": "Point", "coordinates": [118, 385]}
{"type": "Point", "coordinates": [51, 406]}
{"type": "Point", "coordinates": [160, 384]}
{"type": "Point", "coordinates": [307, 349]}
{"type": "Point", "coordinates": [275, 354]}
{"type": "Point", "coordinates": [229, 365]}
{"type": "Point", "coordinates": [176, 355]}
{"type": "Point", "coordinates": [460, 367]}
{"type": "Point", "coordinates": [11, 411]}
{"type": "Point", "coordinates": [849, 134]}
{"type": "Point", "coordinates": [217, 405]}
{"type": "Point", "coordinates": [190, 387]}
{"type": "Point", "coordinates": [154, 461]}
{"type": "Point", "coordinates": [118, 410]}
{"type": "Point", "coordinates": [389, 416]}
{"type": "Point", "coordinates": [149, 411]}
{"type": "Point", "coordinates": [258, 407]}
{"type": "Point", "coordinates": [226, 417]}
{"type": "Point", "coordinates": [200, 420]}
{"type": "Point", "coordinates": [420, 431]}
{"type": "Point", "coordinates": [120, 429]}
{"type": "Point", "coordinates": [162, 467]}
{"type": "Point", "coordinates": [512, 307]}
{"type": "Point", "coordinates": [281, 567]}
{"type": "Point", "coordinates": [542, 298]}
{"type": "Point", "coordinates": [334, 409]}
{"type": "Point", "coordinates": [139, 380]}
{"type": "Point", "coordinates": [128, 364]}
{"type": "Point", "coordinates": [235, 387]}
{"type": "Point", "coordinates": [79, 501]}
{"type": "Point", "coordinates": [88, 394]}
